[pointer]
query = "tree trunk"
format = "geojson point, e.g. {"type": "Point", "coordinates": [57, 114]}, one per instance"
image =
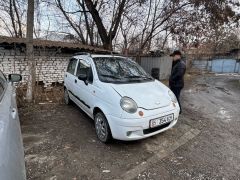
{"type": "Point", "coordinates": [106, 37]}
{"type": "Point", "coordinates": [107, 44]}
{"type": "Point", "coordinates": [30, 51]}
{"type": "Point", "coordinates": [13, 18]}
{"type": "Point", "coordinates": [96, 17]}
{"type": "Point", "coordinates": [20, 34]}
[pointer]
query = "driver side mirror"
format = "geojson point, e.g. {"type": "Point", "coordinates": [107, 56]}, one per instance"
{"type": "Point", "coordinates": [14, 77]}
{"type": "Point", "coordinates": [83, 77]}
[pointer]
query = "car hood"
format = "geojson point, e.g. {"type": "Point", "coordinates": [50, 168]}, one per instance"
{"type": "Point", "coordinates": [147, 95]}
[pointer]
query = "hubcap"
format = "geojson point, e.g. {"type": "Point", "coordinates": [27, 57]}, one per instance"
{"type": "Point", "coordinates": [101, 127]}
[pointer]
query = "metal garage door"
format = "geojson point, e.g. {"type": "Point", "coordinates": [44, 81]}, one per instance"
{"type": "Point", "coordinates": [224, 65]}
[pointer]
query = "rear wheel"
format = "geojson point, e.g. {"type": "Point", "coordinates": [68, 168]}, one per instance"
{"type": "Point", "coordinates": [102, 128]}
{"type": "Point", "coordinates": [67, 100]}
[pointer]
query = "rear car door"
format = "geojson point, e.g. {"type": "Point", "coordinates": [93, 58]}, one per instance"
{"type": "Point", "coordinates": [12, 164]}
{"type": "Point", "coordinates": [69, 79]}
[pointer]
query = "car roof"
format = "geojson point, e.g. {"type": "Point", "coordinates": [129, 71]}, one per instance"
{"type": "Point", "coordinates": [97, 55]}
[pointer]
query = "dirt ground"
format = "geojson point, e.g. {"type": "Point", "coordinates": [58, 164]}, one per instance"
{"type": "Point", "coordinates": [60, 140]}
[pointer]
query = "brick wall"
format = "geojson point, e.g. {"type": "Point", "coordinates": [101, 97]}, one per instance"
{"type": "Point", "coordinates": [50, 64]}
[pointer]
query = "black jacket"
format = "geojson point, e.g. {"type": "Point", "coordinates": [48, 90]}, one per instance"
{"type": "Point", "coordinates": [178, 70]}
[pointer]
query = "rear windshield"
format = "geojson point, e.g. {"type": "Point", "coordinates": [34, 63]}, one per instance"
{"type": "Point", "coordinates": [120, 70]}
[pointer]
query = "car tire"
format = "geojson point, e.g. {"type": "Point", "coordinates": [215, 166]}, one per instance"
{"type": "Point", "coordinates": [67, 99]}
{"type": "Point", "coordinates": [102, 128]}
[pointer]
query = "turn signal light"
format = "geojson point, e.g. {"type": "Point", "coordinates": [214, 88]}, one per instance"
{"type": "Point", "coordinates": [140, 113]}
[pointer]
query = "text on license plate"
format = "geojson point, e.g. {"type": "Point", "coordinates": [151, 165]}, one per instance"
{"type": "Point", "coordinates": [161, 120]}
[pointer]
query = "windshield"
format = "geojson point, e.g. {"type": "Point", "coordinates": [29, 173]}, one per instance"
{"type": "Point", "coordinates": [120, 70]}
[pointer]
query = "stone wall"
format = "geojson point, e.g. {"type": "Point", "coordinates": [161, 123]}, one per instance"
{"type": "Point", "coordinates": [50, 64]}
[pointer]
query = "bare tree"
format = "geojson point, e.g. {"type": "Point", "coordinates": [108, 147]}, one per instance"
{"type": "Point", "coordinates": [13, 10]}
{"type": "Point", "coordinates": [91, 24]}
{"type": "Point", "coordinates": [135, 24]}
{"type": "Point", "coordinates": [75, 27]}
{"type": "Point", "coordinates": [204, 20]}
{"type": "Point", "coordinates": [185, 21]}
{"type": "Point", "coordinates": [142, 22]}
{"type": "Point", "coordinates": [107, 36]}
{"type": "Point", "coordinates": [154, 17]}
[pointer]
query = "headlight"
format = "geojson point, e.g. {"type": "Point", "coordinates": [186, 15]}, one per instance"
{"type": "Point", "coordinates": [128, 105]}
{"type": "Point", "coordinates": [172, 96]}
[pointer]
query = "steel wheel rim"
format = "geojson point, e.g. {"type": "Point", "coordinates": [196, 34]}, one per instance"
{"type": "Point", "coordinates": [101, 127]}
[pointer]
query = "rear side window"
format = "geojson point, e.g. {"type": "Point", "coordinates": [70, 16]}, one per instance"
{"type": "Point", "coordinates": [3, 83]}
{"type": "Point", "coordinates": [72, 66]}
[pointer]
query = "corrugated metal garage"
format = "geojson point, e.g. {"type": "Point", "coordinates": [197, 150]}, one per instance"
{"type": "Point", "coordinates": [219, 65]}
{"type": "Point", "coordinates": [163, 63]}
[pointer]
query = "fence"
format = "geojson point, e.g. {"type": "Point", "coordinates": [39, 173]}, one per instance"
{"type": "Point", "coordinates": [164, 64]}
{"type": "Point", "coordinates": [218, 65]}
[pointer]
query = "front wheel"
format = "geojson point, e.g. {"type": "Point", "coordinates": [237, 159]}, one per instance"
{"type": "Point", "coordinates": [102, 128]}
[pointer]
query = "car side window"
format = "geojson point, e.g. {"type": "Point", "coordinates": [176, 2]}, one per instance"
{"type": "Point", "coordinates": [3, 83]}
{"type": "Point", "coordinates": [85, 68]}
{"type": "Point", "coordinates": [71, 66]}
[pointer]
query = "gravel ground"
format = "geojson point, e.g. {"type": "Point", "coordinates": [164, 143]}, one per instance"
{"type": "Point", "coordinates": [60, 140]}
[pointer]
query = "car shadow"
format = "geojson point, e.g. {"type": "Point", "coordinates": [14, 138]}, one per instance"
{"type": "Point", "coordinates": [113, 142]}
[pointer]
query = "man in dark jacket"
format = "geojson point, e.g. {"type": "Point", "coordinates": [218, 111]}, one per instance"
{"type": "Point", "coordinates": [176, 80]}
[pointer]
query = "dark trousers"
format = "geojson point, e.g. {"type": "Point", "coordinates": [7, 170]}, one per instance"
{"type": "Point", "coordinates": [177, 91]}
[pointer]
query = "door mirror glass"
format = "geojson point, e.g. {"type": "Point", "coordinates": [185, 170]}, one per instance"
{"type": "Point", "coordinates": [14, 77]}
{"type": "Point", "coordinates": [82, 77]}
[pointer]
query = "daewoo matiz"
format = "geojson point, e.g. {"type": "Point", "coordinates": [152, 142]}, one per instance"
{"type": "Point", "coordinates": [124, 101]}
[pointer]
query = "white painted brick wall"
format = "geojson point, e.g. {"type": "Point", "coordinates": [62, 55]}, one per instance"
{"type": "Point", "coordinates": [50, 68]}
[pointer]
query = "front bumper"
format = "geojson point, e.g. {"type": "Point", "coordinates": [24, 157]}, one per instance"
{"type": "Point", "coordinates": [138, 128]}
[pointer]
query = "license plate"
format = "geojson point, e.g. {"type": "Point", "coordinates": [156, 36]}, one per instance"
{"type": "Point", "coordinates": [162, 120]}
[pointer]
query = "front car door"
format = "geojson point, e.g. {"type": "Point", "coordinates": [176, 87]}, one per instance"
{"type": "Point", "coordinates": [12, 164]}
{"type": "Point", "coordinates": [84, 89]}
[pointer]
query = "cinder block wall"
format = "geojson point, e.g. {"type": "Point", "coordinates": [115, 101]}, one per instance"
{"type": "Point", "coordinates": [50, 64]}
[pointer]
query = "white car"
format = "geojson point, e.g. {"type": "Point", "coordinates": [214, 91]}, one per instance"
{"type": "Point", "coordinates": [12, 164]}
{"type": "Point", "coordinates": [124, 101]}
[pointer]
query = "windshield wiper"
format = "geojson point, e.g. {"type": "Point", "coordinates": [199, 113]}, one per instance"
{"type": "Point", "coordinates": [110, 76]}
{"type": "Point", "coordinates": [148, 78]}
{"type": "Point", "coordinates": [143, 77]}
{"type": "Point", "coordinates": [134, 76]}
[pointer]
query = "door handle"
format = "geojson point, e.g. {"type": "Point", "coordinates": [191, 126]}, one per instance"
{"type": "Point", "coordinates": [75, 81]}
{"type": "Point", "coordinates": [14, 113]}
